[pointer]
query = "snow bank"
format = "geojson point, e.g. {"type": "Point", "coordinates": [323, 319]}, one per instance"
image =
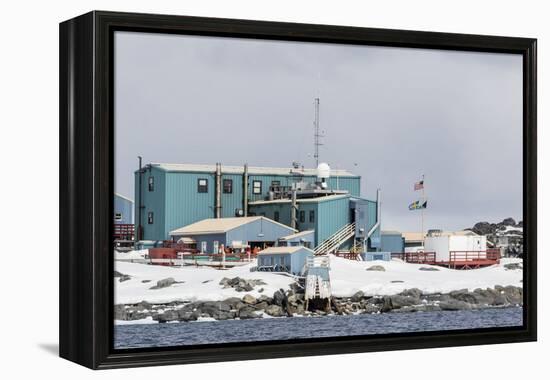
{"type": "Point", "coordinates": [347, 277]}
{"type": "Point", "coordinates": [200, 283]}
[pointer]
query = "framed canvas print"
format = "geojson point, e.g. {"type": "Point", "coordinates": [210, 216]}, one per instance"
{"type": "Point", "coordinates": [238, 189]}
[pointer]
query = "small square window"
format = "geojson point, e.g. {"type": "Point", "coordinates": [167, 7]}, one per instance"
{"type": "Point", "coordinates": [118, 216]}
{"type": "Point", "coordinates": [202, 185]}
{"type": "Point", "coordinates": [227, 186]}
{"type": "Point", "coordinates": [311, 216]}
{"type": "Point", "coordinates": [256, 187]}
{"type": "Point", "coordinates": [151, 183]}
{"type": "Point", "coordinates": [150, 219]}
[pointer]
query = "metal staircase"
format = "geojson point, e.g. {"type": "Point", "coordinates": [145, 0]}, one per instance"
{"type": "Point", "coordinates": [336, 240]}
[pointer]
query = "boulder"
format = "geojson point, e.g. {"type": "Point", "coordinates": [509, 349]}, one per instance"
{"type": "Point", "coordinates": [274, 311]}
{"type": "Point", "coordinates": [509, 222]}
{"type": "Point", "coordinates": [168, 316]}
{"type": "Point", "coordinates": [397, 301]}
{"type": "Point", "coordinates": [454, 304]}
{"type": "Point", "coordinates": [513, 266]}
{"type": "Point", "coordinates": [248, 299]}
{"type": "Point", "coordinates": [357, 296]}
{"type": "Point", "coordinates": [378, 268]}
{"type": "Point", "coordinates": [279, 297]}
{"type": "Point", "coordinates": [414, 293]}
{"type": "Point", "coordinates": [123, 278]}
{"type": "Point", "coordinates": [247, 312]}
{"type": "Point", "coordinates": [429, 269]}
{"type": "Point", "coordinates": [164, 283]}
{"type": "Point", "coordinates": [261, 305]}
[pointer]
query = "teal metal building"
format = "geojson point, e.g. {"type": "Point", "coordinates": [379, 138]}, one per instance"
{"type": "Point", "coordinates": [170, 196]}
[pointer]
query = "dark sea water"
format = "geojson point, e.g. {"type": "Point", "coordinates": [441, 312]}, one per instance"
{"type": "Point", "coordinates": [192, 333]}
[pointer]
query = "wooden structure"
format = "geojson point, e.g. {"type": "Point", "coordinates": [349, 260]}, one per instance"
{"type": "Point", "coordinates": [318, 290]}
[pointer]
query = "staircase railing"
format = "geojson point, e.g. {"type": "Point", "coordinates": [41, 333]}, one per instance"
{"type": "Point", "coordinates": [336, 240]}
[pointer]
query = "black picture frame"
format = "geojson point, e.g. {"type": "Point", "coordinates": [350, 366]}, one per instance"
{"type": "Point", "coordinates": [86, 187]}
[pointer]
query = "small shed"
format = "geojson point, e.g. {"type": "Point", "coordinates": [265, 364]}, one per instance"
{"type": "Point", "coordinates": [284, 259]}
{"type": "Point", "coordinates": [253, 231]}
{"type": "Point", "coordinates": [304, 238]}
{"type": "Point", "coordinates": [124, 210]}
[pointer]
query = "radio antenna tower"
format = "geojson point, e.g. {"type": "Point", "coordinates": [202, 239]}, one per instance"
{"type": "Point", "coordinates": [317, 135]}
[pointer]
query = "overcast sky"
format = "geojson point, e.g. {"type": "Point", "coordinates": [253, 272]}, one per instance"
{"type": "Point", "coordinates": [388, 114]}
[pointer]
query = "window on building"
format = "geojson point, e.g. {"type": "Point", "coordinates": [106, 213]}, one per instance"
{"type": "Point", "coordinates": [256, 187]}
{"type": "Point", "coordinates": [203, 247]}
{"type": "Point", "coordinates": [276, 216]}
{"type": "Point", "coordinates": [275, 183]}
{"type": "Point", "coordinates": [302, 216]}
{"type": "Point", "coordinates": [216, 246]}
{"type": "Point", "coordinates": [118, 216]}
{"type": "Point", "coordinates": [151, 183]}
{"type": "Point", "coordinates": [202, 185]}
{"type": "Point", "coordinates": [311, 216]}
{"type": "Point", "coordinates": [150, 217]}
{"type": "Point", "coordinates": [228, 186]}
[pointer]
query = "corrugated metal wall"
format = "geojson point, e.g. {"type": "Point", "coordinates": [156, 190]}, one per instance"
{"type": "Point", "coordinates": [125, 209]}
{"type": "Point", "coordinates": [176, 202]}
{"type": "Point", "coordinates": [331, 216]}
{"type": "Point", "coordinates": [153, 201]}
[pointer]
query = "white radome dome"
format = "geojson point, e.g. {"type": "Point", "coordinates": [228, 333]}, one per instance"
{"type": "Point", "coordinates": [323, 170]}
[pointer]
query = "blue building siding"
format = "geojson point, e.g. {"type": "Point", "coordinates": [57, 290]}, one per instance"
{"type": "Point", "coordinates": [392, 242]}
{"type": "Point", "coordinates": [153, 201]}
{"type": "Point", "coordinates": [331, 216]}
{"type": "Point", "coordinates": [293, 261]}
{"type": "Point", "coordinates": [175, 201]}
{"type": "Point", "coordinates": [124, 210]}
{"type": "Point", "coordinates": [260, 230]}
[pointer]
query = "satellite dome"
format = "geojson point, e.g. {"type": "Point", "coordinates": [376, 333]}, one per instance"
{"type": "Point", "coordinates": [323, 170]}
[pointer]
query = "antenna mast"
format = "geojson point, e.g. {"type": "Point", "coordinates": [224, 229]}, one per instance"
{"type": "Point", "coordinates": [317, 135]}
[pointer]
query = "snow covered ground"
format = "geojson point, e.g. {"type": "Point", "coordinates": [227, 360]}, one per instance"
{"type": "Point", "coordinates": [347, 277]}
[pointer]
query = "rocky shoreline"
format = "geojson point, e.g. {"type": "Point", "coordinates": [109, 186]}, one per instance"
{"type": "Point", "coordinates": [291, 303]}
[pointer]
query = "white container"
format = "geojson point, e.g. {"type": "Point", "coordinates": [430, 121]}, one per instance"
{"type": "Point", "coordinates": [475, 246]}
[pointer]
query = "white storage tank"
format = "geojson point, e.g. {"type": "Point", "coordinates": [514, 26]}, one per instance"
{"type": "Point", "coordinates": [464, 244]}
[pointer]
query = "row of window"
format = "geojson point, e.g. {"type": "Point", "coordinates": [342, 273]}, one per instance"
{"type": "Point", "coordinates": [227, 185]}
{"type": "Point", "coordinates": [276, 216]}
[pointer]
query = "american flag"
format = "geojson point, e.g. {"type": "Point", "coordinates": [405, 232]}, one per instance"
{"type": "Point", "coordinates": [419, 185]}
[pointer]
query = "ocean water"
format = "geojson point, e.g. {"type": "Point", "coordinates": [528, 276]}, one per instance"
{"type": "Point", "coordinates": [192, 333]}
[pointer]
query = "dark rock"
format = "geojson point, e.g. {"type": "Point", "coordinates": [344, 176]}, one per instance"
{"type": "Point", "coordinates": [378, 268]}
{"type": "Point", "coordinates": [261, 305]}
{"type": "Point", "coordinates": [397, 282]}
{"type": "Point", "coordinates": [357, 296]}
{"type": "Point", "coordinates": [414, 293]}
{"type": "Point", "coordinates": [429, 269]}
{"type": "Point", "coordinates": [168, 316]}
{"type": "Point", "coordinates": [279, 297]}
{"type": "Point", "coordinates": [509, 222]}
{"type": "Point", "coordinates": [463, 295]}
{"type": "Point", "coordinates": [187, 316]}
{"type": "Point", "coordinates": [397, 301]}
{"type": "Point", "coordinates": [120, 312]}
{"type": "Point", "coordinates": [454, 304]}
{"type": "Point", "coordinates": [247, 312]}
{"type": "Point", "coordinates": [164, 283]}
{"type": "Point", "coordinates": [513, 266]}
{"type": "Point", "coordinates": [514, 295]}
{"type": "Point", "coordinates": [117, 274]}
{"type": "Point", "coordinates": [274, 311]}
{"type": "Point", "coordinates": [145, 281]}
{"type": "Point", "coordinates": [123, 278]}
{"type": "Point", "coordinates": [369, 309]}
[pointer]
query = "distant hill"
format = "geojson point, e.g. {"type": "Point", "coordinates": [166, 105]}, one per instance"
{"type": "Point", "coordinates": [507, 227]}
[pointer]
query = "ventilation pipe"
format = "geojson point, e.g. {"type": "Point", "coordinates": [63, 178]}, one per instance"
{"type": "Point", "coordinates": [378, 213]}
{"type": "Point", "coordinates": [218, 205]}
{"type": "Point", "coordinates": [293, 208]}
{"type": "Point", "coordinates": [245, 190]}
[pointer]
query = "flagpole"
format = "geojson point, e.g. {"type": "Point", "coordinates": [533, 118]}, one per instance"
{"type": "Point", "coordinates": [422, 210]}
